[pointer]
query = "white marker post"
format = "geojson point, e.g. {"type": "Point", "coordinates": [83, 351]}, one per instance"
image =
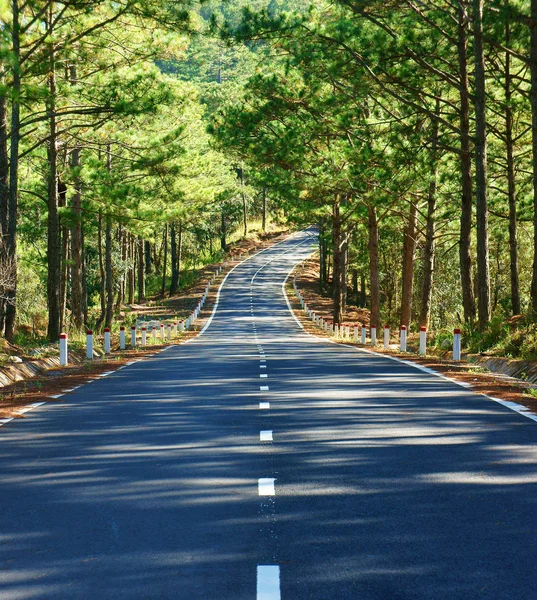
{"type": "Point", "coordinates": [364, 335]}
{"type": "Point", "coordinates": [169, 331]}
{"type": "Point", "coordinates": [162, 332]}
{"type": "Point", "coordinates": [181, 326]}
{"type": "Point", "coordinates": [175, 329]}
{"type": "Point", "coordinates": [154, 334]}
{"type": "Point", "coordinates": [331, 326]}
{"type": "Point", "coordinates": [402, 339]}
{"type": "Point", "coordinates": [373, 335]}
{"type": "Point", "coordinates": [89, 344]}
{"type": "Point", "coordinates": [64, 358]}
{"type": "Point", "coordinates": [144, 336]}
{"type": "Point", "coordinates": [456, 344]}
{"type": "Point", "coordinates": [423, 341]}
{"type": "Point", "coordinates": [386, 337]}
{"type": "Point", "coordinates": [107, 340]}
{"type": "Point", "coordinates": [347, 330]}
{"type": "Point", "coordinates": [336, 330]}
{"type": "Point", "coordinates": [122, 338]}
{"type": "Point", "coordinates": [356, 333]}
{"type": "Point", "coordinates": [133, 336]}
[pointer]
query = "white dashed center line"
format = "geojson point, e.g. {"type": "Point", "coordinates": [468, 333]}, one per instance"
{"type": "Point", "coordinates": [263, 388]}
{"type": "Point", "coordinates": [266, 486]}
{"type": "Point", "coordinates": [263, 375]}
{"type": "Point", "coordinates": [268, 582]}
{"type": "Point", "coordinates": [265, 436]}
{"type": "Point", "coordinates": [264, 405]}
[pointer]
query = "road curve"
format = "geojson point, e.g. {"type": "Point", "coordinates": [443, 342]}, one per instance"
{"type": "Point", "coordinates": [258, 462]}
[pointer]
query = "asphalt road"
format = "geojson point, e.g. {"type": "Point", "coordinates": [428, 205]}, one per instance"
{"type": "Point", "coordinates": [352, 477]}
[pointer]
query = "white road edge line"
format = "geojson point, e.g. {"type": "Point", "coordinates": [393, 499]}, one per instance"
{"type": "Point", "coordinates": [268, 582]}
{"type": "Point", "coordinates": [514, 406]}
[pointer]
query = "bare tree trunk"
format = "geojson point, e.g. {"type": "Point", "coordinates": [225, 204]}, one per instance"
{"type": "Point", "coordinates": [465, 255]}
{"type": "Point", "coordinates": [409, 248]}
{"type": "Point", "coordinates": [373, 244]}
{"type": "Point", "coordinates": [77, 312]}
{"type": "Point", "coordinates": [53, 222]}
{"type": "Point", "coordinates": [141, 271]}
{"type": "Point", "coordinates": [533, 101]}
{"type": "Point", "coordinates": [511, 184]}
{"type": "Point", "coordinates": [336, 248]}
{"type": "Point", "coordinates": [165, 260]}
{"type": "Point", "coordinates": [430, 230]}
{"type": "Point", "coordinates": [264, 208]}
{"type": "Point", "coordinates": [109, 315]}
{"type": "Point", "coordinates": [223, 232]}
{"type": "Point", "coordinates": [173, 250]}
{"type": "Point", "coordinates": [131, 277]}
{"type": "Point", "coordinates": [84, 281]}
{"type": "Point", "coordinates": [13, 194]}
{"type": "Point", "coordinates": [481, 186]}
{"type": "Point", "coordinates": [244, 205]}
{"type": "Point", "coordinates": [64, 262]}
{"type": "Point", "coordinates": [102, 272]}
{"type": "Point", "coordinates": [4, 194]}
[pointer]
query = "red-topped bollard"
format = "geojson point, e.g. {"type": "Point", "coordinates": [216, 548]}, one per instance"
{"type": "Point", "coordinates": [457, 344]}
{"type": "Point", "coordinates": [356, 333]}
{"type": "Point", "coordinates": [133, 336]}
{"type": "Point", "coordinates": [423, 341]}
{"type": "Point", "coordinates": [122, 338]}
{"type": "Point", "coordinates": [107, 340]}
{"type": "Point", "coordinates": [144, 336]}
{"type": "Point", "coordinates": [89, 344]}
{"type": "Point", "coordinates": [64, 358]}
{"type": "Point", "coordinates": [373, 335]}
{"type": "Point", "coordinates": [364, 334]}
{"type": "Point", "coordinates": [402, 339]}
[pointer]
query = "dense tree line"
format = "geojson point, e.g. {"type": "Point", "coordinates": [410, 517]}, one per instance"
{"type": "Point", "coordinates": [408, 132]}
{"type": "Point", "coordinates": [109, 181]}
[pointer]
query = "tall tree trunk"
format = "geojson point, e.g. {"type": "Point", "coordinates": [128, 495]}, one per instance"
{"type": "Point", "coordinates": [428, 254]}
{"type": "Point", "coordinates": [4, 195]}
{"type": "Point", "coordinates": [430, 230]}
{"type": "Point", "coordinates": [77, 312]}
{"type": "Point", "coordinates": [13, 194]}
{"type": "Point", "coordinates": [141, 270]}
{"type": "Point", "coordinates": [322, 259]}
{"type": "Point", "coordinates": [53, 222]}
{"type": "Point", "coordinates": [223, 231]}
{"type": "Point", "coordinates": [344, 256]}
{"type": "Point", "coordinates": [244, 205]}
{"type": "Point", "coordinates": [481, 186]}
{"type": "Point", "coordinates": [336, 249]}
{"type": "Point", "coordinates": [148, 258]}
{"type": "Point", "coordinates": [108, 255]}
{"type": "Point", "coordinates": [64, 260]}
{"type": "Point", "coordinates": [409, 249]}
{"type": "Point", "coordinates": [173, 256]}
{"type": "Point", "coordinates": [165, 260]}
{"type": "Point", "coordinates": [465, 255]}
{"type": "Point", "coordinates": [373, 244]}
{"type": "Point", "coordinates": [84, 281]}
{"type": "Point", "coordinates": [264, 217]}
{"type": "Point", "coordinates": [102, 272]}
{"type": "Point", "coordinates": [131, 273]}
{"type": "Point", "coordinates": [511, 184]}
{"type": "Point", "coordinates": [533, 100]}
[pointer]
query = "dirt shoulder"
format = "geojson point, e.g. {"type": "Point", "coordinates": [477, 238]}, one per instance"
{"type": "Point", "coordinates": [479, 379]}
